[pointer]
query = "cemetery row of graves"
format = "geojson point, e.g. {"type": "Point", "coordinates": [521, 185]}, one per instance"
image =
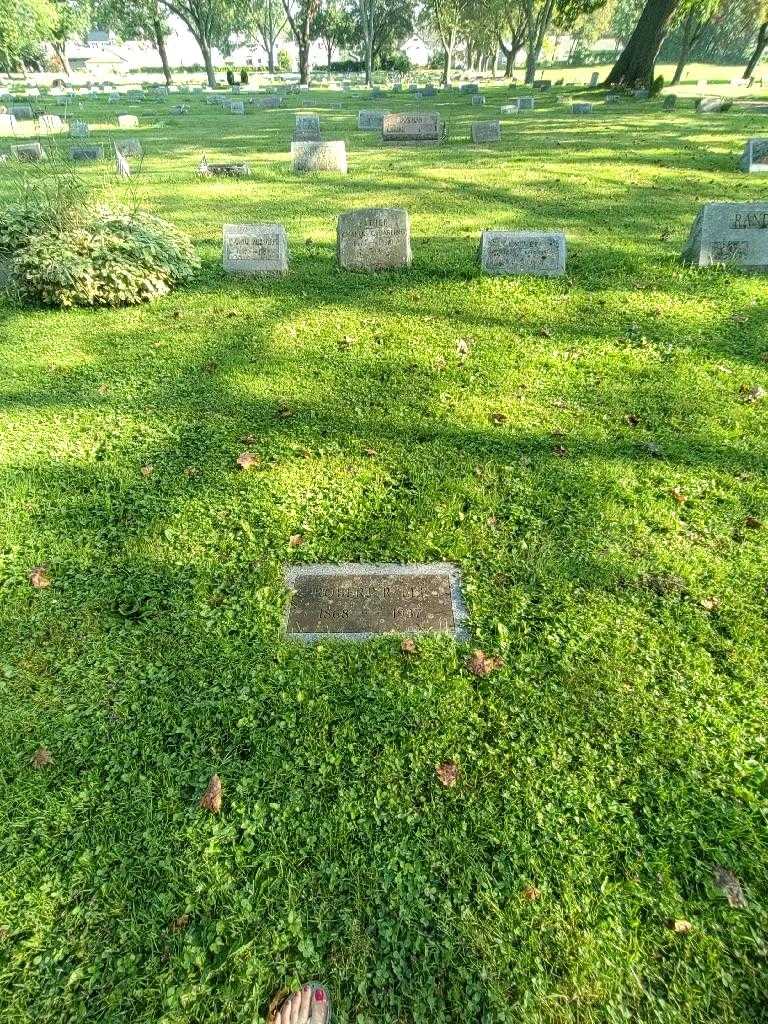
{"type": "Point", "coordinates": [385, 603]}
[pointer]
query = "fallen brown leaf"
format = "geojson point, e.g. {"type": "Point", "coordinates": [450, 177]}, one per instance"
{"type": "Point", "coordinates": [679, 926]}
{"type": "Point", "coordinates": [370, 452]}
{"type": "Point", "coordinates": [448, 773]}
{"type": "Point", "coordinates": [531, 893]}
{"type": "Point", "coordinates": [560, 450]}
{"type": "Point", "coordinates": [710, 604]}
{"type": "Point", "coordinates": [631, 419]}
{"type": "Point", "coordinates": [408, 646]}
{"type": "Point", "coordinates": [753, 523]}
{"type": "Point", "coordinates": [679, 495]}
{"type": "Point", "coordinates": [284, 411]}
{"type": "Point", "coordinates": [481, 664]}
{"type": "Point", "coordinates": [39, 577]}
{"type": "Point", "coordinates": [147, 470]}
{"type": "Point", "coordinates": [731, 886]}
{"type": "Point", "coordinates": [295, 540]}
{"type": "Point", "coordinates": [498, 418]}
{"type": "Point", "coordinates": [41, 758]}
{"type": "Point", "coordinates": [211, 798]}
{"type": "Point", "coordinates": [247, 460]}
{"type": "Point", "coordinates": [179, 923]}
{"type": "Point", "coordinates": [249, 439]}
{"type": "Point", "coordinates": [191, 471]}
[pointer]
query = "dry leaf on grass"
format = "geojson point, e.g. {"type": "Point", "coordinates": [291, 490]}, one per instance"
{"type": "Point", "coordinates": [211, 798]}
{"type": "Point", "coordinates": [731, 886]}
{"type": "Point", "coordinates": [147, 470]}
{"type": "Point", "coordinates": [448, 773]}
{"type": "Point", "coordinates": [295, 540]}
{"type": "Point", "coordinates": [247, 460]}
{"type": "Point", "coordinates": [39, 577]}
{"type": "Point", "coordinates": [679, 495]}
{"type": "Point", "coordinates": [408, 646]}
{"type": "Point", "coordinates": [753, 523]}
{"type": "Point", "coordinates": [41, 757]}
{"type": "Point", "coordinates": [179, 923]}
{"type": "Point", "coordinates": [481, 664]}
{"type": "Point", "coordinates": [531, 893]}
{"type": "Point", "coordinates": [560, 450]}
{"type": "Point", "coordinates": [498, 418]}
{"type": "Point", "coordinates": [679, 926]}
{"type": "Point", "coordinates": [710, 604]}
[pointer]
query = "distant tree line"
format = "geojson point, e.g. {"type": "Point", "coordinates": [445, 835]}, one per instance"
{"type": "Point", "coordinates": [368, 34]}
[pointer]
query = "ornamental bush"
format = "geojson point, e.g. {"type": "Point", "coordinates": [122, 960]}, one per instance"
{"type": "Point", "coordinates": [93, 255]}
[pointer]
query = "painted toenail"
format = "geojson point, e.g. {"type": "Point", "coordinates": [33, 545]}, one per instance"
{"type": "Point", "coordinates": [319, 995]}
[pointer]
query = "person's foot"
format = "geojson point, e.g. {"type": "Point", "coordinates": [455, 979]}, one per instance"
{"type": "Point", "coordinates": [308, 1005]}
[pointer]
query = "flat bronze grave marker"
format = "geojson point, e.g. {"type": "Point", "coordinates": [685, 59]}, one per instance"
{"type": "Point", "coordinates": [356, 602]}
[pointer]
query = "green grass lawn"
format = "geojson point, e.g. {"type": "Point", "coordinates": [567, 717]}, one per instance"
{"type": "Point", "coordinates": [606, 769]}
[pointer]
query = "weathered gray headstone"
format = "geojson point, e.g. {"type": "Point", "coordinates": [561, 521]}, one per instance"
{"type": "Point", "coordinates": [376, 93]}
{"type": "Point", "coordinates": [319, 156]}
{"type": "Point", "coordinates": [307, 128]}
{"type": "Point", "coordinates": [469, 88]}
{"type": "Point", "coordinates": [525, 103]}
{"type": "Point", "coordinates": [478, 100]}
{"type": "Point", "coordinates": [255, 249]}
{"type": "Point", "coordinates": [127, 121]}
{"type": "Point", "coordinates": [79, 129]}
{"type": "Point", "coordinates": [581, 108]}
{"type": "Point", "coordinates": [378, 238]}
{"type": "Point", "coordinates": [236, 107]}
{"type": "Point", "coordinates": [86, 153]}
{"type": "Point", "coordinates": [594, 79]}
{"type": "Point", "coordinates": [129, 147]}
{"type": "Point", "coordinates": [511, 253]}
{"type": "Point", "coordinates": [357, 602]}
{"type": "Point", "coordinates": [370, 120]}
{"type": "Point", "coordinates": [22, 112]}
{"type": "Point", "coordinates": [510, 108]}
{"type": "Point", "coordinates": [641, 94]}
{"type": "Point", "coordinates": [754, 159]}
{"type": "Point", "coordinates": [428, 92]}
{"type": "Point", "coordinates": [223, 170]}
{"type": "Point", "coordinates": [29, 152]}
{"type": "Point", "coordinates": [271, 102]}
{"type": "Point", "coordinates": [712, 105]}
{"type": "Point", "coordinates": [670, 101]}
{"type": "Point", "coordinates": [486, 131]}
{"type": "Point", "coordinates": [613, 97]}
{"type": "Point", "coordinates": [735, 234]}
{"type": "Point", "coordinates": [411, 127]}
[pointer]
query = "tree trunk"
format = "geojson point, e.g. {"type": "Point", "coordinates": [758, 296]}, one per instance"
{"type": "Point", "coordinates": [329, 51]}
{"type": "Point", "coordinates": [530, 65]}
{"type": "Point", "coordinates": [60, 49]}
{"type": "Point", "coordinates": [209, 72]}
{"type": "Point", "coordinates": [762, 39]}
{"type": "Point", "coordinates": [271, 58]}
{"type": "Point", "coordinates": [685, 46]}
{"type": "Point", "coordinates": [448, 46]}
{"type": "Point", "coordinates": [304, 63]}
{"type": "Point", "coordinates": [160, 44]}
{"type": "Point", "coordinates": [634, 68]}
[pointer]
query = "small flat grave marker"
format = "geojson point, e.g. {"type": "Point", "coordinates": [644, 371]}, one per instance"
{"type": "Point", "coordinates": [670, 102]}
{"type": "Point", "coordinates": [478, 101]}
{"type": "Point", "coordinates": [307, 128]}
{"type": "Point", "coordinates": [127, 121]}
{"type": "Point", "coordinates": [511, 253]}
{"type": "Point", "coordinates": [525, 103]}
{"type": "Point", "coordinates": [255, 249]}
{"type": "Point", "coordinates": [712, 105]}
{"type": "Point", "coordinates": [358, 602]}
{"type": "Point", "coordinates": [510, 108]}
{"type": "Point", "coordinates": [734, 234]}
{"type": "Point", "coordinates": [236, 107]}
{"type": "Point", "coordinates": [581, 108]}
{"type": "Point", "coordinates": [378, 238]}
{"type": "Point", "coordinates": [22, 112]}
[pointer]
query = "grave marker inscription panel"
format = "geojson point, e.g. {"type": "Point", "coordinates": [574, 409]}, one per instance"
{"type": "Point", "coordinates": [377, 238]}
{"type": "Point", "coordinates": [356, 602]}
{"type": "Point", "coordinates": [255, 249]}
{"type": "Point", "coordinates": [511, 253]}
{"type": "Point", "coordinates": [735, 234]}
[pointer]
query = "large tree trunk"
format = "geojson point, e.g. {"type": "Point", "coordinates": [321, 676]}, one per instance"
{"type": "Point", "coordinates": [329, 51]}
{"type": "Point", "coordinates": [448, 45]}
{"type": "Point", "coordinates": [762, 39]}
{"type": "Point", "coordinates": [304, 62]}
{"type": "Point", "coordinates": [209, 72]}
{"type": "Point", "coordinates": [685, 45]}
{"type": "Point", "coordinates": [160, 44]}
{"type": "Point", "coordinates": [634, 68]}
{"type": "Point", "coordinates": [530, 64]}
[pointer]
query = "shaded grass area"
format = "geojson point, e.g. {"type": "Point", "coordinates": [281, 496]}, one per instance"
{"type": "Point", "coordinates": [615, 759]}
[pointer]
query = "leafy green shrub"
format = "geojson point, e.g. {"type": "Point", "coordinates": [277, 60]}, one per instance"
{"type": "Point", "coordinates": [243, 76]}
{"type": "Point", "coordinates": [96, 256]}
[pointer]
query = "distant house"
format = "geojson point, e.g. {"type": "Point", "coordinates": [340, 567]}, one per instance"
{"type": "Point", "coordinates": [97, 60]}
